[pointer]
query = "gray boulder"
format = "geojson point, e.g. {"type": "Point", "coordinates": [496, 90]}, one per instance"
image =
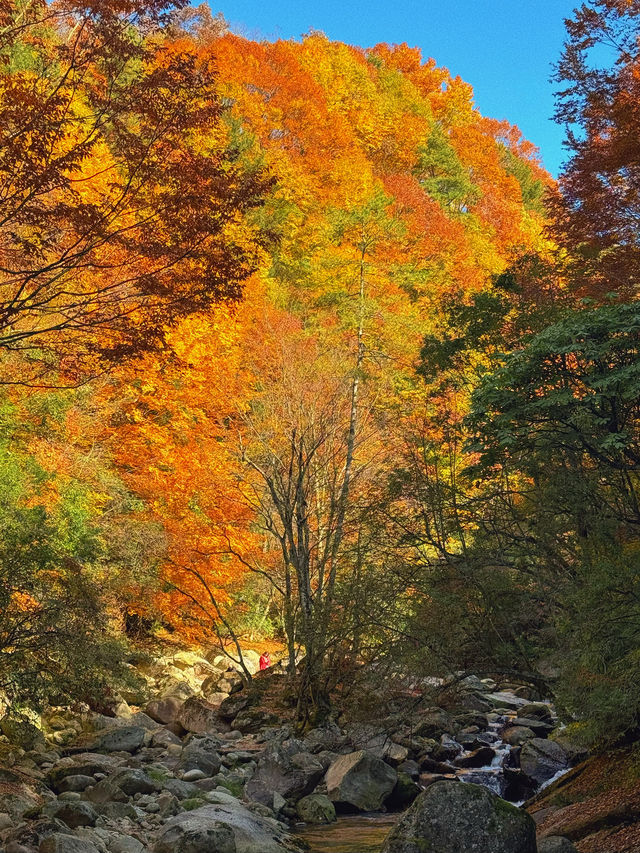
{"type": "Point", "coordinates": [555, 844]}
{"type": "Point", "coordinates": [21, 732]}
{"type": "Point", "coordinates": [541, 759]}
{"type": "Point", "coordinates": [454, 817]}
{"type": "Point", "coordinates": [316, 808]}
{"type": "Point", "coordinates": [165, 710]}
{"type": "Point", "coordinates": [198, 716]}
{"type": "Point", "coordinates": [133, 781]}
{"type": "Point", "coordinates": [359, 781]}
{"type": "Point", "coordinates": [59, 842]}
{"type": "Point", "coordinates": [120, 739]}
{"type": "Point", "coordinates": [75, 813]}
{"type": "Point", "coordinates": [286, 769]}
{"type": "Point", "coordinates": [200, 753]}
{"type": "Point", "coordinates": [517, 735]}
{"type": "Point", "coordinates": [220, 829]}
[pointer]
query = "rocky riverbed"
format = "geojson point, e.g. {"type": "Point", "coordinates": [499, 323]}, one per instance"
{"type": "Point", "coordinates": [207, 765]}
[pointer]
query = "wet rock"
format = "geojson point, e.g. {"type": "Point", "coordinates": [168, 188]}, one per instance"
{"type": "Point", "coordinates": [359, 782]}
{"type": "Point", "coordinates": [541, 759]}
{"type": "Point", "coordinates": [478, 758]}
{"type": "Point", "coordinates": [451, 817]}
{"type": "Point", "coordinates": [316, 808]}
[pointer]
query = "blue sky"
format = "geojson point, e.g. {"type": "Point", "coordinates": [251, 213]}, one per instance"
{"type": "Point", "coordinates": [504, 48]}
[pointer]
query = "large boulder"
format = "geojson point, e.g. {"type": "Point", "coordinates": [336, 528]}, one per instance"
{"type": "Point", "coordinates": [198, 716]}
{"type": "Point", "coordinates": [60, 842]}
{"type": "Point", "coordinates": [286, 769]}
{"type": "Point", "coordinates": [200, 753]}
{"type": "Point", "coordinates": [541, 759]}
{"type": "Point", "coordinates": [316, 808]}
{"type": "Point", "coordinates": [220, 829]}
{"type": "Point", "coordinates": [20, 731]}
{"type": "Point", "coordinates": [359, 781]}
{"type": "Point", "coordinates": [120, 739]}
{"type": "Point", "coordinates": [165, 710]}
{"type": "Point", "coordinates": [454, 817]}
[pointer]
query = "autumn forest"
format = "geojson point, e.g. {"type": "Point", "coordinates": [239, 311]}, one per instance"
{"type": "Point", "coordinates": [299, 349]}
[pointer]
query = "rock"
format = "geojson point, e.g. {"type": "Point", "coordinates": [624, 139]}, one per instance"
{"type": "Point", "coordinates": [117, 811]}
{"type": "Point", "coordinates": [395, 754]}
{"type": "Point", "coordinates": [403, 794]}
{"type": "Point", "coordinates": [214, 697]}
{"type": "Point", "coordinates": [75, 782]}
{"type": "Point", "coordinates": [220, 829]}
{"type": "Point", "coordinates": [124, 844]}
{"type": "Point", "coordinates": [539, 727]}
{"type": "Point", "coordinates": [517, 735]}
{"type": "Point", "coordinates": [133, 781]}
{"type": "Point", "coordinates": [194, 775]}
{"type": "Point", "coordinates": [120, 739]}
{"type": "Point", "coordinates": [478, 758]}
{"type": "Point", "coordinates": [165, 710]}
{"type": "Point", "coordinates": [472, 718]}
{"type": "Point", "coordinates": [541, 759]}
{"type": "Point", "coordinates": [316, 808]}
{"type": "Point", "coordinates": [105, 792]}
{"type": "Point", "coordinates": [61, 843]}
{"type": "Point", "coordinates": [200, 753]}
{"type": "Point", "coordinates": [452, 817]}
{"type": "Point", "coordinates": [253, 719]}
{"type": "Point", "coordinates": [286, 769]}
{"type": "Point", "coordinates": [231, 707]}
{"type": "Point", "coordinates": [505, 700]}
{"type": "Point", "coordinates": [181, 789]}
{"type": "Point", "coordinates": [198, 716]}
{"type": "Point", "coordinates": [434, 723]}
{"type": "Point", "coordinates": [555, 844]}
{"type": "Point", "coordinates": [164, 738]}
{"type": "Point", "coordinates": [75, 813]}
{"type": "Point", "coordinates": [230, 682]}
{"type": "Point", "coordinates": [21, 732]}
{"type": "Point", "coordinates": [411, 768]}
{"type": "Point", "coordinates": [536, 711]}
{"type": "Point", "coordinates": [359, 781]}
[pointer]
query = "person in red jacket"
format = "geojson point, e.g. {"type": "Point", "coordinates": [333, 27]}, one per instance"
{"type": "Point", "coordinates": [265, 660]}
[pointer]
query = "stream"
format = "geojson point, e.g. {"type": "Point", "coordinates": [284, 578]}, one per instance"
{"type": "Point", "coordinates": [350, 834]}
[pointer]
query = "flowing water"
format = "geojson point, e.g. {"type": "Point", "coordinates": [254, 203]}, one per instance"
{"type": "Point", "coordinates": [351, 834]}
